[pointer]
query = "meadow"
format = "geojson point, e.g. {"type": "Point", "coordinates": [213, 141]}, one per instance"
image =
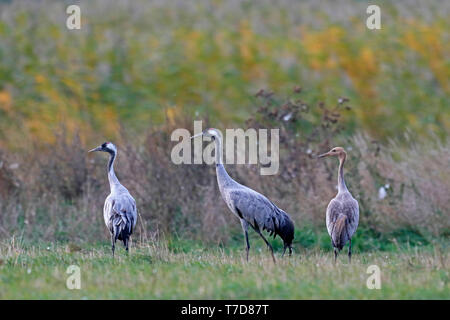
{"type": "Point", "coordinates": [165, 270]}
{"type": "Point", "coordinates": [137, 70]}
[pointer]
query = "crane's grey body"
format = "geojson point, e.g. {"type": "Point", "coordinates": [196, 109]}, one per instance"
{"type": "Point", "coordinates": [119, 210]}
{"type": "Point", "coordinates": [342, 216]}
{"type": "Point", "coordinates": [120, 215]}
{"type": "Point", "coordinates": [342, 209]}
{"type": "Point", "coordinates": [250, 207]}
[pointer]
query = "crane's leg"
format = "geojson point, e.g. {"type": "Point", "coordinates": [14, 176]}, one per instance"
{"type": "Point", "coordinates": [126, 244]}
{"type": "Point", "coordinates": [284, 249]}
{"type": "Point", "coordinates": [350, 251]}
{"type": "Point", "coordinates": [113, 244]}
{"type": "Point", "coordinates": [245, 228]}
{"type": "Point", "coordinates": [267, 243]}
{"type": "Point", "coordinates": [335, 255]}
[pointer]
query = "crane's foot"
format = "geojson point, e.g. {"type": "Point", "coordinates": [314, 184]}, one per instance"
{"type": "Point", "coordinates": [113, 244]}
{"type": "Point", "coordinates": [271, 251]}
{"type": "Point", "coordinates": [273, 256]}
{"type": "Point", "coordinates": [126, 247]}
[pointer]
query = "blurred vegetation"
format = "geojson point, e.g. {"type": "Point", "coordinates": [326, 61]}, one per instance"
{"type": "Point", "coordinates": [139, 63]}
{"type": "Point", "coordinates": [139, 69]}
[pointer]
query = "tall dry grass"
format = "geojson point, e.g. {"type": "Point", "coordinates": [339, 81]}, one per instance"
{"type": "Point", "coordinates": [57, 193]}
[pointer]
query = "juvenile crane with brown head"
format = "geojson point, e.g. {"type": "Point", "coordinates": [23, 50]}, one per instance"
{"type": "Point", "coordinates": [342, 215]}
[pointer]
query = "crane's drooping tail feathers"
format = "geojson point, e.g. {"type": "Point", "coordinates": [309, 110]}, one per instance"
{"type": "Point", "coordinates": [122, 227]}
{"type": "Point", "coordinates": [282, 226]}
{"type": "Point", "coordinates": [339, 233]}
{"type": "Point", "coordinates": [286, 230]}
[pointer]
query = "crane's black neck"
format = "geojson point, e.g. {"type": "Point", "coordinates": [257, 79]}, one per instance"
{"type": "Point", "coordinates": [113, 181]}
{"type": "Point", "coordinates": [111, 161]}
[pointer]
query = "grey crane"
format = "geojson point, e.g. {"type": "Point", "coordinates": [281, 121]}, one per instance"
{"type": "Point", "coordinates": [252, 208]}
{"type": "Point", "coordinates": [342, 215]}
{"type": "Point", "coordinates": [119, 211]}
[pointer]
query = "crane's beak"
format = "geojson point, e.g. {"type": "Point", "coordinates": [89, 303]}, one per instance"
{"type": "Point", "coordinates": [95, 149]}
{"type": "Point", "coordinates": [197, 135]}
{"type": "Point", "coordinates": [326, 154]}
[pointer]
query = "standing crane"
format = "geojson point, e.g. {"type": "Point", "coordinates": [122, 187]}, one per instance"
{"type": "Point", "coordinates": [252, 208]}
{"type": "Point", "coordinates": [342, 215]}
{"type": "Point", "coordinates": [119, 211]}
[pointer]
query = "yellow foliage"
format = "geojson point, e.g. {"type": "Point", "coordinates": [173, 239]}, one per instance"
{"type": "Point", "coordinates": [121, 63]}
{"type": "Point", "coordinates": [5, 101]}
{"type": "Point", "coordinates": [329, 50]}
{"type": "Point", "coordinates": [40, 133]}
{"type": "Point", "coordinates": [246, 41]}
{"type": "Point", "coordinates": [412, 119]}
{"type": "Point", "coordinates": [110, 122]}
{"type": "Point", "coordinates": [192, 44]}
{"type": "Point", "coordinates": [171, 115]}
{"type": "Point", "coordinates": [220, 39]}
{"type": "Point", "coordinates": [429, 42]}
{"type": "Point", "coordinates": [367, 59]}
{"type": "Point", "coordinates": [331, 63]}
{"type": "Point", "coordinates": [39, 79]}
{"type": "Point", "coordinates": [321, 46]}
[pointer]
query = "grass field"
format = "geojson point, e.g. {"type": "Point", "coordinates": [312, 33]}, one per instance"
{"type": "Point", "coordinates": [166, 271]}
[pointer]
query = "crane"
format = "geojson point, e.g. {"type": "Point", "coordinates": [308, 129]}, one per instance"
{"type": "Point", "coordinates": [342, 215]}
{"type": "Point", "coordinates": [119, 211]}
{"type": "Point", "coordinates": [252, 208]}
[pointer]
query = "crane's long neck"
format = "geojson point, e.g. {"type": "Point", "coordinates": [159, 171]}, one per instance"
{"type": "Point", "coordinates": [113, 181]}
{"type": "Point", "coordinates": [223, 179]}
{"type": "Point", "coordinates": [341, 182]}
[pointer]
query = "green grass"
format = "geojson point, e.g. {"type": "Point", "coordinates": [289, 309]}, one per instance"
{"type": "Point", "coordinates": [165, 270]}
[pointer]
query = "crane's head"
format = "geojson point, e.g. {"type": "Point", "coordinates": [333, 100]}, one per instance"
{"type": "Point", "coordinates": [211, 132]}
{"type": "Point", "coordinates": [106, 147]}
{"type": "Point", "coordinates": [336, 152]}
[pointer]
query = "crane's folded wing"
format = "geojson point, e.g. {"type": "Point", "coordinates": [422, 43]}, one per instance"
{"type": "Point", "coordinates": [257, 210]}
